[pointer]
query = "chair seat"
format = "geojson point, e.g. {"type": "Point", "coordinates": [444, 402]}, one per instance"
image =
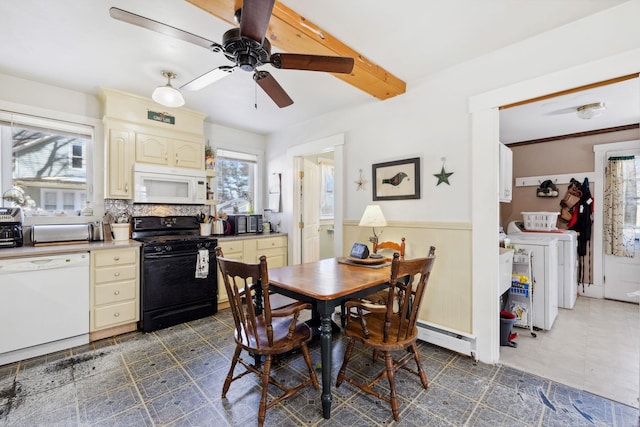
{"type": "Point", "coordinates": [375, 325]}
{"type": "Point", "coordinates": [281, 344]}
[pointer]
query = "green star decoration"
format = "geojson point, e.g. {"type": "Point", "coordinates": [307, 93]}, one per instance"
{"type": "Point", "coordinates": [443, 176]}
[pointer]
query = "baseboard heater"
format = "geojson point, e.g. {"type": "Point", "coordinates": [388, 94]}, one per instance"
{"type": "Point", "coordinates": [457, 341]}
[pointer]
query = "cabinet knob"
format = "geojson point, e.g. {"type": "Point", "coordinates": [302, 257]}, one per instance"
{"type": "Point", "coordinates": [117, 273]}
{"type": "Point", "coordinates": [126, 187]}
{"type": "Point", "coordinates": [117, 292]}
{"type": "Point", "coordinates": [116, 314]}
{"type": "Point", "coordinates": [116, 258]}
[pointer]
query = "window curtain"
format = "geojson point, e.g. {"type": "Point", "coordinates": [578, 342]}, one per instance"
{"type": "Point", "coordinates": [620, 206]}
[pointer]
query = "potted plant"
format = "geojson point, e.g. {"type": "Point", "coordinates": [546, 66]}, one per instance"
{"type": "Point", "coordinates": [209, 157]}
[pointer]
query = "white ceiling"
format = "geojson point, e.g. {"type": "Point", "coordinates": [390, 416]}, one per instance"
{"type": "Point", "coordinates": [557, 116]}
{"type": "Point", "coordinates": [75, 44]}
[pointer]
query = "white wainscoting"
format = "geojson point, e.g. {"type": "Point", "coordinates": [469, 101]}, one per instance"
{"type": "Point", "coordinates": [448, 298]}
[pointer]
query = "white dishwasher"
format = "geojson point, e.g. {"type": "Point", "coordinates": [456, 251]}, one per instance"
{"type": "Point", "coordinates": [44, 305]}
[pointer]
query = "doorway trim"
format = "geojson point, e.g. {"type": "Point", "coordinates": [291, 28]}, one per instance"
{"type": "Point", "coordinates": [600, 154]}
{"type": "Point", "coordinates": [333, 143]}
{"type": "Point", "coordinates": [485, 135]}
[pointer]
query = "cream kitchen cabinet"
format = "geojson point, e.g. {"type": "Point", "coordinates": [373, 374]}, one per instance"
{"type": "Point", "coordinates": [232, 249]}
{"type": "Point", "coordinates": [119, 159]}
{"type": "Point", "coordinates": [249, 250]}
{"type": "Point", "coordinates": [274, 248]}
{"type": "Point", "coordinates": [114, 291]}
{"type": "Point", "coordinates": [170, 152]}
{"type": "Point", "coordinates": [505, 174]}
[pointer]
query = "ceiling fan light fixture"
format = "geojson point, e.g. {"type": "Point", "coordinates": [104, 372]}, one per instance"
{"type": "Point", "coordinates": [589, 111]}
{"type": "Point", "coordinates": [168, 95]}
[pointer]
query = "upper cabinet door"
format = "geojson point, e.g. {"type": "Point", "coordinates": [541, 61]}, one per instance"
{"type": "Point", "coordinates": [506, 174]}
{"type": "Point", "coordinates": [119, 164]}
{"type": "Point", "coordinates": [188, 154]}
{"type": "Point", "coordinates": [152, 149]}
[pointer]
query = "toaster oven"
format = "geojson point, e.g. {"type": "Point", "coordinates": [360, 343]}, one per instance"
{"type": "Point", "coordinates": [245, 223]}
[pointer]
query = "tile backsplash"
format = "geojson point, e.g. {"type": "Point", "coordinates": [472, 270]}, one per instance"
{"type": "Point", "coordinates": [123, 210]}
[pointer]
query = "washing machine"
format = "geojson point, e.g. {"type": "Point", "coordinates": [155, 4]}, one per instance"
{"type": "Point", "coordinates": [567, 259]}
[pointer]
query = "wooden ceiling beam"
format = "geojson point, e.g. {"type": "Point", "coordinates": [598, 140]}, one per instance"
{"type": "Point", "coordinates": [292, 33]}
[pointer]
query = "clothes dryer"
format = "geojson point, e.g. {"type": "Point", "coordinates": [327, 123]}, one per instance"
{"type": "Point", "coordinates": [567, 259]}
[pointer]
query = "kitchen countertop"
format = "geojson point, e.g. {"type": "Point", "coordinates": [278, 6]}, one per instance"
{"type": "Point", "coordinates": [249, 236]}
{"type": "Point", "coordinates": [26, 251]}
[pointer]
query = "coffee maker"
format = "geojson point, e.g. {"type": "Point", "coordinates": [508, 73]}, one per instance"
{"type": "Point", "coordinates": [10, 227]}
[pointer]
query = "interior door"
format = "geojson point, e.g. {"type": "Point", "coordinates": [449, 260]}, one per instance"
{"type": "Point", "coordinates": [620, 273]}
{"type": "Point", "coordinates": [310, 212]}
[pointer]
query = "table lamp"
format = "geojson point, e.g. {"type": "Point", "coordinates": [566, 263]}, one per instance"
{"type": "Point", "coordinates": [373, 217]}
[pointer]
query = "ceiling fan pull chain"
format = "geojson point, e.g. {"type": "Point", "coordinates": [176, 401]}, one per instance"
{"type": "Point", "coordinates": [255, 95]}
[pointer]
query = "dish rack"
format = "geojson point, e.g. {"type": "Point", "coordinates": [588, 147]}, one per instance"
{"type": "Point", "coordinates": [522, 288]}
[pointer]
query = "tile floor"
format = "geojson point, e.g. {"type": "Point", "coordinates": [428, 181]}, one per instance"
{"type": "Point", "coordinates": [593, 347]}
{"type": "Point", "coordinates": [173, 377]}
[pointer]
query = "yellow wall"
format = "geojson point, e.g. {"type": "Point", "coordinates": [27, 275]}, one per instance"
{"type": "Point", "coordinates": [448, 298]}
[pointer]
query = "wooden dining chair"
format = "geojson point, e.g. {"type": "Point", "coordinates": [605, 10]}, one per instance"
{"type": "Point", "coordinates": [260, 330]}
{"type": "Point", "coordinates": [398, 247]}
{"type": "Point", "coordinates": [379, 297]}
{"type": "Point", "coordinates": [387, 330]}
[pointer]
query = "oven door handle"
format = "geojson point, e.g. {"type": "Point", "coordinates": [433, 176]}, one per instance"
{"type": "Point", "coordinates": [170, 255]}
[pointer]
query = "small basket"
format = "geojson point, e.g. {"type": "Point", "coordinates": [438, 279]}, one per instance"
{"type": "Point", "coordinates": [519, 288]}
{"type": "Point", "coordinates": [540, 221]}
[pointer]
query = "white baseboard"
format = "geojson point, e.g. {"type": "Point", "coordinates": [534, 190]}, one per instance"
{"type": "Point", "coordinates": [442, 337]}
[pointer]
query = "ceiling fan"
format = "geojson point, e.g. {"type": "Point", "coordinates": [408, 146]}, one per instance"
{"type": "Point", "coordinates": [247, 48]}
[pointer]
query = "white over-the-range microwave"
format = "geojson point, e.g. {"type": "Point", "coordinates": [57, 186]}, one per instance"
{"type": "Point", "coordinates": [159, 184]}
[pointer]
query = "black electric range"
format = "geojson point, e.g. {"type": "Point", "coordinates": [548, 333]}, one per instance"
{"type": "Point", "coordinates": [179, 271]}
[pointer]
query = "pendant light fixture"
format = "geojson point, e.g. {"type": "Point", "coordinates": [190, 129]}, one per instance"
{"type": "Point", "coordinates": [168, 95]}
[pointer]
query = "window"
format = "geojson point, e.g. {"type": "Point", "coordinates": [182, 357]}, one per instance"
{"type": "Point", "coordinates": [236, 189]}
{"type": "Point", "coordinates": [327, 169]}
{"type": "Point", "coordinates": [45, 164]}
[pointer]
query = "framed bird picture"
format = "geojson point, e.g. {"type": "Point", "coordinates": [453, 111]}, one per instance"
{"type": "Point", "coordinates": [398, 180]}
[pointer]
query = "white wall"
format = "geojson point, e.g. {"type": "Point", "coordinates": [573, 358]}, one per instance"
{"type": "Point", "coordinates": [34, 98]}
{"type": "Point", "coordinates": [432, 120]}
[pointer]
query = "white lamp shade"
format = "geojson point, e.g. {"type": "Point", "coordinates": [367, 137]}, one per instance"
{"type": "Point", "coordinates": [168, 96]}
{"type": "Point", "coordinates": [373, 217]}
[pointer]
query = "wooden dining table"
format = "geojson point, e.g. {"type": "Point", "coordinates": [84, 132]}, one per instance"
{"type": "Point", "coordinates": [327, 284]}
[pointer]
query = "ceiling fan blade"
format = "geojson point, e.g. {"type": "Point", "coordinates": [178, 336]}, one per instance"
{"type": "Point", "coordinates": [254, 18]}
{"type": "Point", "coordinates": [208, 78]}
{"type": "Point", "coordinates": [296, 61]}
{"type": "Point", "coordinates": [159, 27]}
{"type": "Point", "coordinates": [272, 88]}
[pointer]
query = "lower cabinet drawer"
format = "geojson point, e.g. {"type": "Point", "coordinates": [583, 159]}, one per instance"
{"type": "Point", "coordinates": [115, 314]}
{"type": "Point", "coordinates": [271, 242]}
{"type": "Point", "coordinates": [115, 292]}
{"type": "Point", "coordinates": [231, 247]}
{"type": "Point", "coordinates": [117, 273]}
{"type": "Point", "coordinates": [115, 257]}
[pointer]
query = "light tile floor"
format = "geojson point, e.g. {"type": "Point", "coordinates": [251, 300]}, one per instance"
{"type": "Point", "coordinates": [594, 347]}
{"type": "Point", "coordinates": [173, 377]}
